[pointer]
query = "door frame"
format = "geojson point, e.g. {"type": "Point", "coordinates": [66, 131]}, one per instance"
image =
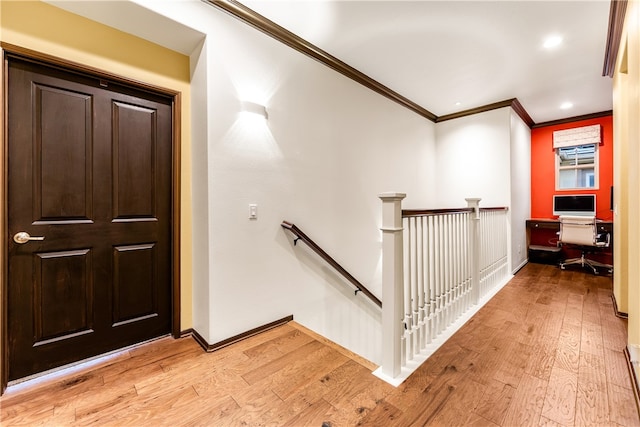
{"type": "Point", "coordinates": [9, 50]}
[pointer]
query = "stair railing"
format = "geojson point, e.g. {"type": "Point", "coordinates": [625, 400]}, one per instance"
{"type": "Point", "coordinates": [438, 267]}
{"type": "Point", "coordinates": [300, 235]}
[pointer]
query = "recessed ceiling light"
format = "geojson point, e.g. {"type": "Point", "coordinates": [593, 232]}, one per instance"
{"type": "Point", "coordinates": [458, 103]}
{"type": "Point", "coordinates": [552, 41]}
{"type": "Point", "coordinates": [566, 105]}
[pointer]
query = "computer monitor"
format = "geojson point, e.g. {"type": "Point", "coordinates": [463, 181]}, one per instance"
{"type": "Point", "coordinates": [576, 204]}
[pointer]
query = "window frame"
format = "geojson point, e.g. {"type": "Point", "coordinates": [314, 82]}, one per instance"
{"type": "Point", "coordinates": [595, 165]}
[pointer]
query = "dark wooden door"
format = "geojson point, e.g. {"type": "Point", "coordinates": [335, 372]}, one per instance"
{"type": "Point", "coordinates": [89, 169]}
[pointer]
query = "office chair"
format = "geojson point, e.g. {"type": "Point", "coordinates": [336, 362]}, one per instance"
{"type": "Point", "coordinates": [582, 231]}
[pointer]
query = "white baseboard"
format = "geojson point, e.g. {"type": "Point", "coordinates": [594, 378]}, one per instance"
{"type": "Point", "coordinates": [522, 264]}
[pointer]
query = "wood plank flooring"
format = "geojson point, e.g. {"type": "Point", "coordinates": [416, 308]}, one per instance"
{"type": "Point", "coordinates": [546, 351]}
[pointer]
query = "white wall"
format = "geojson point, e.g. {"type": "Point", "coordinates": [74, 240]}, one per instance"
{"type": "Point", "coordinates": [473, 158]}
{"type": "Point", "coordinates": [199, 167]}
{"type": "Point", "coordinates": [329, 147]}
{"type": "Point", "coordinates": [488, 155]}
{"type": "Point", "coordinates": [520, 207]}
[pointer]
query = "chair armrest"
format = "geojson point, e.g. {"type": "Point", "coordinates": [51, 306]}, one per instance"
{"type": "Point", "coordinates": [603, 238]}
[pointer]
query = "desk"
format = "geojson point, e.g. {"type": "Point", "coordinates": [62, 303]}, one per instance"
{"type": "Point", "coordinates": [554, 224]}
{"type": "Point", "coordinates": [543, 232]}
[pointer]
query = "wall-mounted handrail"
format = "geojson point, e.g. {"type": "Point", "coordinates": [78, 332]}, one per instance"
{"type": "Point", "coordinates": [325, 256]}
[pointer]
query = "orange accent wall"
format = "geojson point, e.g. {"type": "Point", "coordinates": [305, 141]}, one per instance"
{"type": "Point", "coordinates": [543, 179]}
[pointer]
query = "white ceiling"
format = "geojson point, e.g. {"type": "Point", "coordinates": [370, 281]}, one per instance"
{"type": "Point", "coordinates": [437, 53]}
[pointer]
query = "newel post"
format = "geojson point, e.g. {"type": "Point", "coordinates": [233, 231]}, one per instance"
{"type": "Point", "coordinates": [392, 286]}
{"type": "Point", "coordinates": [474, 248]}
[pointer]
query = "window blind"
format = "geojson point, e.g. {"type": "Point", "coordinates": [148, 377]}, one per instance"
{"type": "Point", "coordinates": [577, 136]}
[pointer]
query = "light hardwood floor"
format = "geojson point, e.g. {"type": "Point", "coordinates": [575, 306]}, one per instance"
{"type": "Point", "coordinates": [547, 350]}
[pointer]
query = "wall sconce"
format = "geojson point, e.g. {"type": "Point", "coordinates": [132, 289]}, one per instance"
{"type": "Point", "coordinates": [249, 107]}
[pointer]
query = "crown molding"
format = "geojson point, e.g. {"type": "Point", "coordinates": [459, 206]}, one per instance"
{"type": "Point", "coordinates": [513, 103]}
{"type": "Point", "coordinates": [617, 13]}
{"type": "Point", "coordinates": [270, 28]}
{"type": "Point", "coordinates": [573, 119]}
{"type": "Point", "coordinates": [476, 110]}
{"type": "Point", "coordinates": [259, 22]}
{"type": "Point", "coordinates": [520, 111]}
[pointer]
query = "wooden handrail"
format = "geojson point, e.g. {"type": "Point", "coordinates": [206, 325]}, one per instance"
{"type": "Point", "coordinates": [325, 256]}
{"type": "Point", "coordinates": [426, 212]}
{"type": "Point", "coordinates": [499, 208]}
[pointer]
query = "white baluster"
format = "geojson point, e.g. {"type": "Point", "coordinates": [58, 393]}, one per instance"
{"type": "Point", "coordinates": [422, 249]}
{"type": "Point", "coordinates": [446, 272]}
{"type": "Point", "coordinates": [442, 273]}
{"type": "Point", "coordinates": [415, 345]}
{"type": "Point", "coordinates": [431, 267]}
{"type": "Point", "coordinates": [459, 266]}
{"type": "Point", "coordinates": [408, 289]}
{"type": "Point", "coordinates": [454, 282]}
{"type": "Point", "coordinates": [406, 270]}
{"type": "Point", "coordinates": [465, 264]}
{"type": "Point", "coordinates": [483, 257]}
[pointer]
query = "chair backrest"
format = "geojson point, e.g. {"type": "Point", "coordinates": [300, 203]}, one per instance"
{"type": "Point", "coordinates": [578, 230]}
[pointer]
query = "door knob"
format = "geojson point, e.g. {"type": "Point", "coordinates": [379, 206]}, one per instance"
{"type": "Point", "coordinates": [23, 237]}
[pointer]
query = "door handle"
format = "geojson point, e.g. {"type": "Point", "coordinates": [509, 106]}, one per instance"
{"type": "Point", "coordinates": [23, 237]}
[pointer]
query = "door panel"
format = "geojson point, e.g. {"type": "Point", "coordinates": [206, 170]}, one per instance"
{"type": "Point", "coordinates": [134, 264]}
{"type": "Point", "coordinates": [62, 154]}
{"type": "Point", "coordinates": [89, 169]}
{"type": "Point", "coordinates": [63, 295]}
{"type": "Point", "coordinates": [134, 156]}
